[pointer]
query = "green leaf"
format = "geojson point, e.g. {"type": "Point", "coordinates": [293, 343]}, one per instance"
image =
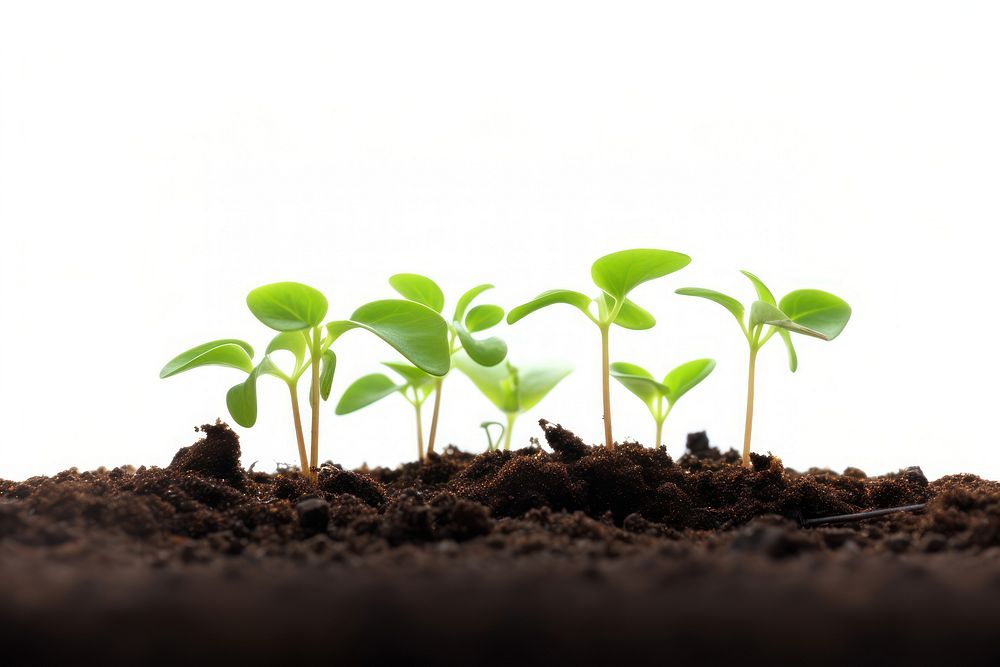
{"type": "Point", "coordinates": [288, 306]}
{"type": "Point", "coordinates": [535, 381]}
{"type": "Point", "coordinates": [726, 301]}
{"type": "Point", "coordinates": [817, 310]}
{"type": "Point", "coordinates": [575, 299]}
{"type": "Point", "coordinates": [364, 391]}
{"type": "Point", "coordinates": [488, 352]}
{"type": "Point", "coordinates": [241, 399]}
{"type": "Point", "coordinates": [290, 341]}
{"type": "Point", "coordinates": [421, 289]}
{"type": "Point", "coordinates": [621, 272]}
{"type": "Point", "coordinates": [763, 293]}
{"type": "Point", "coordinates": [687, 376]}
{"type": "Point", "coordinates": [483, 317]}
{"type": "Point", "coordinates": [762, 313]}
{"type": "Point", "coordinates": [631, 316]}
{"type": "Point", "coordinates": [793, 359]}
{"type": "Point", "coordinates": [328, 366]}
{"type": "Point", "coordinates": [225, 352]}
{"type": "Point", "coordinates": [494, 382]}
{"type": "Point", "coordinates": [638, 381]}
{"type": "Point", "coordinates": [466, 299]}
{"type": "Point", "coordinates": [414, 376]}
{"type": "Point", "coordinates": [414, 330]}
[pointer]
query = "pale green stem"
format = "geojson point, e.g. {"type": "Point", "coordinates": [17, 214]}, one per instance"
{"type": "Point", "coordinates": [748, 428]}
{"type": "Point", "coordinates": [606, 386]}
{"type": "Point", "coordinates": [509, 430]}
{"type": "Point", "coordinates": [314, 402]}
{"type": "Point", "coordinates": [299, 437]}
{"type": "Point", "coordinates": [420, 434]}
{"type": "Point", "coordinates": [434, 416]}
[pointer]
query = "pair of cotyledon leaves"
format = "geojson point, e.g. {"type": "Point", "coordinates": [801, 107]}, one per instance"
{"type": "Point", "coordinates": [809, 312]}
{"type": "Point", "coordinates": [465, 321]}
{"type": "Point", "coordinates": [513, 389]}
{"type": "Point", "coordinates": [616, 275]}
{"type": "Point", "coordinates": [677, 382]}
{"type": "Point", "coordinates": [373, 387]}
{"type": "Point", "coordinates": [295, 310]}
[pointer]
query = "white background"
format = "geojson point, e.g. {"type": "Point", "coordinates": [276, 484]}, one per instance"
{"type": "Point", "coordinates": [159, 160]}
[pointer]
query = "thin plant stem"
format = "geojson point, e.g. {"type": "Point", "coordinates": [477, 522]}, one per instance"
{"type": "Point", "coordinates": [420, 434]}
{"type": "Point", "coordinates": [314, 402]}
{"type": "Point", "coordinates": [659, 433]}
{"type": "Point", "coordinates": [297, 417]}
{"type": "Point", "coordinates": [434, 417]}
{"type": "Point", "coordinates": [509, 430]}
{"type": "Point", "coordinates": [748, 428]}
{"type": "Point", "coordinates": [606, 387]}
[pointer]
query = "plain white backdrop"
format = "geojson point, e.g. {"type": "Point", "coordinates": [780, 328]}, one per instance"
{"type": "Point", "coordinates": [159, 160]}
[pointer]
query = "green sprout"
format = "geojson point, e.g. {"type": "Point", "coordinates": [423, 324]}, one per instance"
{"type": "Point", "coordinates": [513, 389]}
{"type": "Point", "coordinates": [416, 387]}
{"type": "Point", "coordinates": [809, 312]}
{"type": "Point", "coordinates": [616, 275]}
{"type": "Point", "coordinates": [491, 444]}
{"type": "Point", "coordinates": [465, 322]}
{"type": "Point", "coordinates": [297, 311]}
{"type": "Point", "coordinates": [655, 394]}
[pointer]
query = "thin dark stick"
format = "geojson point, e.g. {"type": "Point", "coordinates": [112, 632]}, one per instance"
{"type": "Point", "coordinates": [860, 516]}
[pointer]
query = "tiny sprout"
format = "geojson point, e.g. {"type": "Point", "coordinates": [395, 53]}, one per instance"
{"type": "Point", "coordinates": [491, 444]}
{"type": "Point", "coordinates": [297, 311]}
{"type": "Point", "coordinates": [415, 388]}
{"type": "Point", "coordinates": [513, 389]}
{"type": "Point", "coordinates": [465, 322]}
{"type": "Point", "coordinates": [616, 275]}
{"type": "Point", "coordinates": [809, 312]}
{"type": "Point", "coordinates": [678, 382]}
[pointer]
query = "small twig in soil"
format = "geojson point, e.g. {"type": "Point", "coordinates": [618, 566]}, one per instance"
{"type": "Point", "coordinates": [861, 516]}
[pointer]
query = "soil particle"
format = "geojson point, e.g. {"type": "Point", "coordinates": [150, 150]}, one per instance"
{"type": "Point", "coordinates": [217, 455]}
{"type": "Point", "coordinates": [314, 515]}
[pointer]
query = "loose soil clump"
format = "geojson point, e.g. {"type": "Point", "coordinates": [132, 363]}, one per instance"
{"type": "Point", "coordinates": [575, 555]}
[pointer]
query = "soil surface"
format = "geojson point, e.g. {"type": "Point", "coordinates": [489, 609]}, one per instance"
{"type": "Point", "coordinates": [566, 555]}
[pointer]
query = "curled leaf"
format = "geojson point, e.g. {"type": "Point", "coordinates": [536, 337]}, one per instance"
{"type": "Point", "coordinates": [225, 352]}
{"type": "Point", "coordinates": [421, 289]}
{"type": "Point", "coordinates": [551, 297]}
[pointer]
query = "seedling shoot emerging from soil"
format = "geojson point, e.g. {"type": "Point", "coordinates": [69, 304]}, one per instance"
{"type": "Point", "coordinates": [809, 312]}
{"type": "Point", "coordinates": [513, 389]}
{"type": "Point", "coordinates": [660, 397]}
{"type": "Point", "coordinates": [615, 275]}
{"type": "Point", "coordinates": [464, 322]}
{"type": "Point", "coordinates": [416, 387]}
{"type": "Point", "coordinates": [297, 311]}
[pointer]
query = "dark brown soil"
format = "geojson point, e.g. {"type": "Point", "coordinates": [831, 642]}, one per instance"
{"type": "Point", "coordinates": [574, 556]}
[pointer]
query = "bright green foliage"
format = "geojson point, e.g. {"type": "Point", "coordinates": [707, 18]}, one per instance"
{"type": "Point", "coordinates": [297, 311]}
{"type": "Point", "coordinates": [512, 389]}
{"type": "Point", "coordinates": [416, 386]}
{"type": "Point", "coordinates": [809, 312]}
{"type": "Point", "coordinates": [660, 397]}
{"type": "Point", "coordinates": [464, 323]}
{"type": "Point", "coordinates": [616, 275]}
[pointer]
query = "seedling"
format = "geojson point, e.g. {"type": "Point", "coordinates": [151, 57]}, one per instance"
{"type": "Point", "coordinates": [660, 397]}
{"type": "Point", "coordinates": [465, 322]}
{"type": "Point", "coordinates": [491, 444]}
{"type": "Point", "coordinates": [616, 275]}
{"type": "Point", "coordinates": [513, 389]}
{"type": "Point", "coordinates": [809, 312]}
{"type": "Point", "coordinates": [416, 387]}
{"type": "Point", "coordinates": [297, 311]}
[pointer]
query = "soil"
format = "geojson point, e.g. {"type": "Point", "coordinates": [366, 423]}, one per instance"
{"type": "Point", "coordinates": [576, 555]}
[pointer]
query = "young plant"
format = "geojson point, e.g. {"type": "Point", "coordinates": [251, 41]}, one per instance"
{"type": "Point", "coordinates": [465, 322]}
{"type": "Point", "coordinates": [297, 311]}
{"type": "Point", "coordinates": [416, 387]}
{"type": "Point", "coordinates": [660, 397]}
{"type": "Point", "coordinates": [513, 389]}
{"type": "Point", "coordinates": [491, 444]}
{"type": "Point", "coordinates": [615, 275]}
{"type": "Point", "coordinates": [809, 312]}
